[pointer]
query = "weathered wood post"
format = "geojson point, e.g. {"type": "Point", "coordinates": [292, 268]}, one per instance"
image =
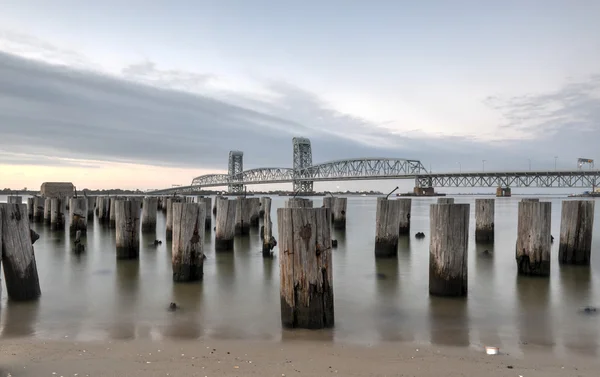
{"type": "Point", "coordinates": [405, 208]}
{"type": "Point", "coordinates": [207, 203]}
{"type": "Point", "coordinates": [217, 198]}
{"type": "Point", "coordinates": [57, 216]}
{"type": "Point", "coordinates": [445, 200]}
{"type": "Point", "coordinates": [298, 203]}
{"type": "Point", "coordinates": [112, 221]}
{"type": "Point", "coordinates": [339, 213]}
{"type": "Point", "coordinates": [127, 221]}
{"type": "Point", "coordinates": [254, 204]}
{"type": "Point", "coordinates": [261, 212]}
{"type": "Point", "coordinates": [328, 203]}
{"type": "Point", "coordinates": [306, 281]}
{"type": "Point", "coordinates": [533, 238]}
{"type": "Point", "coordinates": [78, 213]}
{"type": "Point", "coordinates": [225, 227]}
{"type": "Point", "coordinates": [103, 207]}
{"type": "Point", "coordinates": [242, 216]}
{"type": "Point", "coordinates": [169, 225]}
{"type": "Point", "coordinates": [47, 210]}
{"type": "Point", "coordinates": [18, 258]}
{"type": "Point", "coordinates": [149, 212]}
{"type": "Point", "coordinates": [484, 220]}
{"type": "Point", "coordinates": [38, 204]}
{"type": "Point", "coordinates": [30, 208]}
{"type": "Point", "coordinates": [14, 199]}
{"type": "Point", "coordinates": [188, 241]}
{"type": "Point", "coordinates": [387, 227]}
{"type": "Point", "coordinates": [448, 249]}
{"type": "Point", "coordinates": [269, 241]}
{"type": "Point", "coordinates": [91, 202]}
{"type": "Point", "coordinates": [576, 226]}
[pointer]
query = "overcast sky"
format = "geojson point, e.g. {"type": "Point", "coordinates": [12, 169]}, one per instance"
{"type": "Point", "coordinates": [141, 94]}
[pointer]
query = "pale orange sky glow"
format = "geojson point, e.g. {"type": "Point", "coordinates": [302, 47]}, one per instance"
{"type": "Point", "coordinates": [98, 175]}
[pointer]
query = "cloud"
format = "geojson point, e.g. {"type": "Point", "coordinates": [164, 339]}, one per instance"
{"type": "Point", "coordinates": [75, 115]}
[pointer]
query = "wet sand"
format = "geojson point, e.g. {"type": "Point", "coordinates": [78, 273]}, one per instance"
{"type": "Point", "coordinates": [30, 357]}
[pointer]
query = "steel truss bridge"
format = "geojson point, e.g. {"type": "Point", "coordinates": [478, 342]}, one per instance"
{"type": "Point", "coordinates": [303, 174]}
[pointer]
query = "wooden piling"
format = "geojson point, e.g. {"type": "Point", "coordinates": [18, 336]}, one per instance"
{"type": "Point", "coordinates": [111, 212]}
{"type": "Point", "coordinates": [387, 227]}
{"type": "Point", "coordinates": [169, 225]}
{"type": "Point", "coordinates": [306, 281]}
{"type": "Point", "coordinates": [338, 213]}
{"type": "Point", "coordinates": [242, 216]}
{"type": "Point", "coordinates": [207, 203]}
{"type": "Point", "coordinates": [225, 227]}
{"type": "Point", "coordinates": [149, 213]}
{"type": "Point", "coordinates": [576, 226]}
{"type": "Point", "coordinates": [127, 222]}
{"type": "Point", "coordinates": [47, 210]}
{"type": "Point", "coordinates": [30, 208]}
{"type": "Point", "coordinates": [269, 241]}
{"type": "Point", "coordinates": [91, 202]}
{"type": "Point", "coordinates": [261, 212]}
{"type": "Point", "coordinates": [484, 220]}
{"type": "Point", "coordinates": [405, 208]}
{"type": "Point", "coordinates": [18, 258]}
{"type": "Point", "coordinates": [298, 203]}
{"type": "Point", "coordinates": [38, 211]}
{"type": "Point", "coordinates": [254, 204]}
{"type": "Point", "coordinates": [533, 238]}
{"type": "Point", "coordinates": [448, 249]}
{"type": "Point", "coordinates": [445, 200]}
{"type": "Point", "coordinates": [188, 241]}
{"type": "Point", "coordinates": [14, 199]}
{"type": "Point", "coordinates": [78, 214]}
{"type": "Point", "coordinates": [57, 216]}
{"type": "Point", "coordinates": [103, 207]}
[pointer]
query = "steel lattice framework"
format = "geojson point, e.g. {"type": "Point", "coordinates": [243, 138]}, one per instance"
{"type": "Point", "coordinates": [576, 178]}
{"type": "Point", "coordinates": [235, 168]}
{"type": "Point", "coordinates": [302, 160]}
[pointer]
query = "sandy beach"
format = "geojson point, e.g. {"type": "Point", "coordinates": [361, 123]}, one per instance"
{"type": "Point", "coordinates": [34, 358]}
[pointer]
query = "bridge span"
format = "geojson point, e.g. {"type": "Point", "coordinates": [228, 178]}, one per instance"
{"type": "Point", "coordinates": [303, 174]}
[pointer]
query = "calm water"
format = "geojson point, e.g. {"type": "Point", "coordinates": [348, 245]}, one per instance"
{"type": "Point", "coordinates": [94, 296]}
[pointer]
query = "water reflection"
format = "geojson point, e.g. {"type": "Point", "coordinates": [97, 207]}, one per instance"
{"type": "Point", "coordinates": [20, 318]}
{"type": "Point", "coordinates": [534, 314]}
{"type": "Point", "coordinates": [448, 321]}
{"type": "Point", "coordinates": [185, 321]}
{"type": "Point", "coordinates": [125, 305]}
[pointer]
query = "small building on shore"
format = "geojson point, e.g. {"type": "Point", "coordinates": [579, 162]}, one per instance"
{"type": "Point", "coordinates": [57, 189]}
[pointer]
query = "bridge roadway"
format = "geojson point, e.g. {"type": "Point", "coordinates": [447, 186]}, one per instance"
{"type": "Point", "coordinates": [380, 169]}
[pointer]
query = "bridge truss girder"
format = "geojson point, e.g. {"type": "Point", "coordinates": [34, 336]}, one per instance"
{"type": "Point", "coordinates": [581, 178]}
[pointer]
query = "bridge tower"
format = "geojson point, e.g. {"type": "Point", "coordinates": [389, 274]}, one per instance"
{"type": "Point", "coordinates": [236, 167]}
{"type": "Point", "coordinates": [302, 160]}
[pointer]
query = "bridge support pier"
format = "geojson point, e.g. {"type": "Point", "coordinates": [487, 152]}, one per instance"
{"type": "Point", "coordinates": [423, 191]}
{"type": "Point", "coordinates": [503, 192]}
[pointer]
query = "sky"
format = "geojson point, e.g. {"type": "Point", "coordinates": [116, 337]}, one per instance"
{"type": "Point", "coordinates": [145, 95]}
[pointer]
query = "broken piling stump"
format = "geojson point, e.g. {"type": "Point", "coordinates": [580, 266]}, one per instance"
{"type": "Point", "coordinates": [188, 241]}
{"type": "Point", "coordinates": [533, 238]}
{"type": "Point", "coordinates": [576, 227]}
{"type": "Point", "coordinates": [243, 208]}
{"type": "Point", "coordinates": [207, 203]}
{"type": "Point", "coordinates": [78, 214]}
{"type": "Point", "coordinates": [47, 210]}
{"type": "Point", "coordinates": [405, 208]}
{"type": "Point", "coordinates": [387, 225]}
{"type": "Point", "coordinates": [149, 213]}
{"type": "Point", "coordinates": [445, 201]}
{"type": "Point", "coordinates": [306, 281]}
{"type": "Point", "coordinates": [448, 249]}
{"type": "Point", "coordinates": [338, 213]}
{"type": "Point", "coordinates": [18, 258]}
{"type": "Point", "coordinates": [225, 227]}
{"type": "Point", "coordinates": [484, 220]}
{"type": "Point", "coordinates": [298, 203]}
{"type": "Point", "coordinates": [57, 216]}
{"type": "Point", "coordinates": [269, 241]}
{"type": "Point", "coordinates": [127, 222]}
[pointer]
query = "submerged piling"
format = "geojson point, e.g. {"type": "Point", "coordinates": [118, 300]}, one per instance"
{"type": "Point", "coordinates": [448, 249]}
{"type": "Point", "coordinates": [306, 281]}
